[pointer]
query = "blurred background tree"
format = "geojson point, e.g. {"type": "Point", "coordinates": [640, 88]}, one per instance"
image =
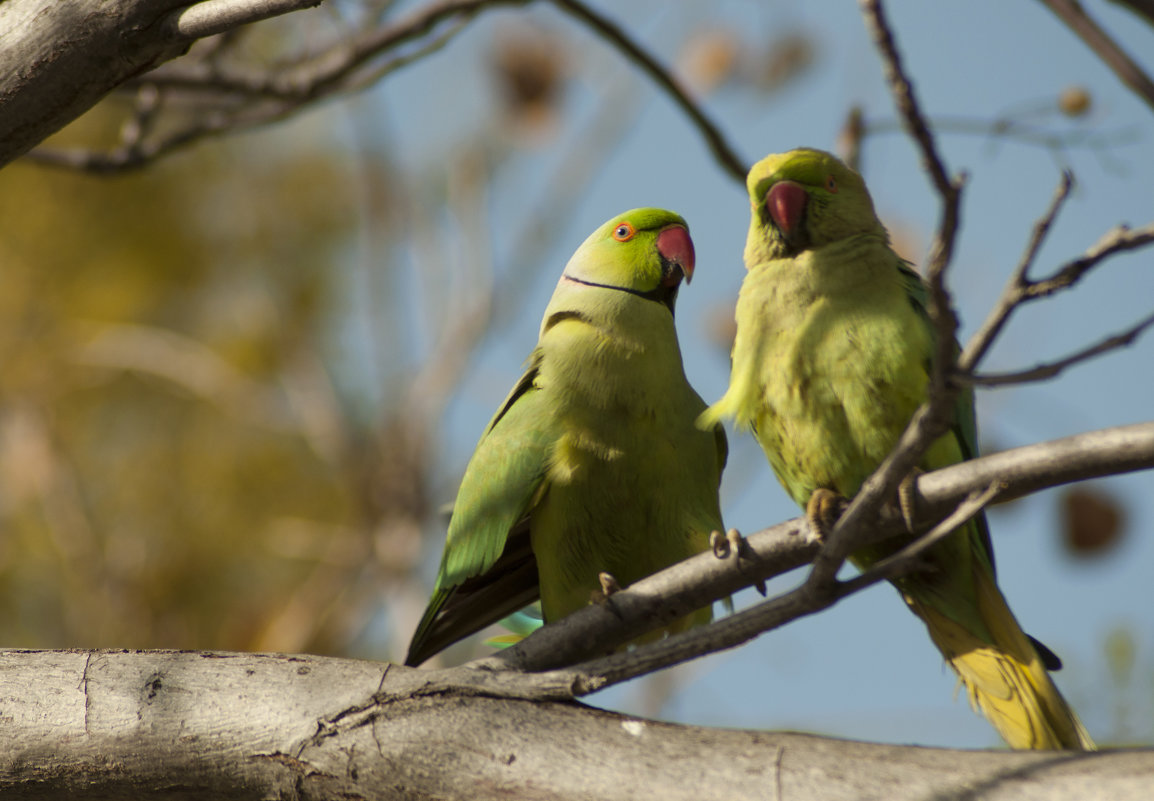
{"type": "Point", "coordinates": [242, 378]}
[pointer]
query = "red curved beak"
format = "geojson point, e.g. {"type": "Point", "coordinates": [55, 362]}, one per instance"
{"type": "Point", "coordinates": [676, 249]}
{"type": "Point", "coordinates": [786, 202]}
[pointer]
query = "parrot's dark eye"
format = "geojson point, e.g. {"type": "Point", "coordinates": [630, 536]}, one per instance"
{"type": "Point", "coordinates": [623, 232]}
{"type": "Point", "coordinates": [831, 184]}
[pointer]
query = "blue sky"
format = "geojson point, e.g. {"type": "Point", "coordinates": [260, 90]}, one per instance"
{"type": "Point", "coordinates": [864, 669]}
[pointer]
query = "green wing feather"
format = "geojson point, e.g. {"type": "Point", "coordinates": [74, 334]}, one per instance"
{"type": "Point", "coordinates": [504, 478]}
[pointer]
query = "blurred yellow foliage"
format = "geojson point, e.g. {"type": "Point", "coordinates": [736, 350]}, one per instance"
{"type": "Point", "coordinates": [151, 456]}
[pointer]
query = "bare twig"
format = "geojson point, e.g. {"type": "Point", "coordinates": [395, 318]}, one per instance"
{"type": "Point", "coordinates": [1128, 70]}
{"type": "Point", "coordinates": [903, 91]}
{"type": "Point", "coordinates": [1003, 128]}
{"type": "Point", "coordinates": [849, 139]}
{"type": "Point", "coordinates": [1020, 289]}
{"type": "Point", "coordinates": [1117, 240]}
{"type": "Point", "coordinates": [808, 599]}
{"type": "Point", "coordinates": [1051, 369]}
{"type": "Point", "coordinates": [722, 151]}
{"type": "Point", "coordinates": [903, 561]}
{"type": "Point", "coordinates": [1012, 295]}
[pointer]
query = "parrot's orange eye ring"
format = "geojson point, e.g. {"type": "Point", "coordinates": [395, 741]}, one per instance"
{"type": "Point", "coordinates": [623, 232]}
{"type": "Point", "coordinates": [831, 184]}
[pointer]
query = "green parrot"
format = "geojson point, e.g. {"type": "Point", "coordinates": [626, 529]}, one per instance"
{"type": "Point", "coordinates": [832, 357]}
{"type": "Point", "coordinates": [593, 464]}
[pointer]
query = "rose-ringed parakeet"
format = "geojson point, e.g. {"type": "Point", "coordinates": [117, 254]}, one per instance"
{"type": "Point", "coordinates": [832, 356]}
{"type": "Point", "coordinates": [594, 462]}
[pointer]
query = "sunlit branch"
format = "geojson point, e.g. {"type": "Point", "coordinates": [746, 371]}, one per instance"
{"type": "Point", "coordinates": [211, 17]}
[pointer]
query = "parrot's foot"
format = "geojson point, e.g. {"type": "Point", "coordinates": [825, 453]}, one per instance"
{"type": "Point", "coordinates": [604, 595]}
{"type": "Point", "coordinates": [733, 543]}
{"type": "Point", "coordinates": [722, 543]}
{"type": "Point", "coordinates": [609, 584]}
{"type": "Point", "coordinates": [823, 509]}
{"type": "Point", "coordinates": [908, 498]}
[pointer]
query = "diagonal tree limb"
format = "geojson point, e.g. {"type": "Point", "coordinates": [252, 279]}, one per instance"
{"type": "Point", "coordinates": [722, 151]}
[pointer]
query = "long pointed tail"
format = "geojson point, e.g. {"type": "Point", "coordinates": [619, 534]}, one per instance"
{"type": "Point", "coordinates": [1006, 679]}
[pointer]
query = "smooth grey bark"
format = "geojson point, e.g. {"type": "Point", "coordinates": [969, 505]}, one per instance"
{"type": "Point", "coordinates": [182, 724]}
{"type": "Point", "coordinates": [59, 58]}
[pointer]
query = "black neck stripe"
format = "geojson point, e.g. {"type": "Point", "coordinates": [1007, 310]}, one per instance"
{"type": "Point", "coordinates": [654, 295]}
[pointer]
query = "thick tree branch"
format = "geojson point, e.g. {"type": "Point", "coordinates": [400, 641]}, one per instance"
{"type": "Point", "coordinates": [59, 59]}
{"type": "Point", "coordinates": [179, 725]}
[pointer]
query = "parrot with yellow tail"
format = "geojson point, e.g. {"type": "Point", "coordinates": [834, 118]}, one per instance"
{"type": "Point", "coordinates": [832, 357]}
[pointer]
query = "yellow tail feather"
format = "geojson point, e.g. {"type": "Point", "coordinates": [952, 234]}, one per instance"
{"type": "Point", "coordinates": [1005, 681]}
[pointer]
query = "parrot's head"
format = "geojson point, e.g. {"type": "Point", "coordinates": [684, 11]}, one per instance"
{"type": "Point", "coordinates": [643, 252]}
{"type": "Point", "coordinates": [804, 199]}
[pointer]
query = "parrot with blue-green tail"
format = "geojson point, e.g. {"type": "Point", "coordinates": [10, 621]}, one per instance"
{"type": "Point", "coordinates": [594, 463]}
{"type": "Point", "coordinates": [833, 355]}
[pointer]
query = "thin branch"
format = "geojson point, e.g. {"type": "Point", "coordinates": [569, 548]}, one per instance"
{"type": "Point", "coordinates": [900, 563]}
{"type": "Point", "coordinates": [1011, 296]}
{"type": "Point", "coordinates": [1013, 130]}
{"type": "Point", "coordinates": [1117, 240]}
{"type": "Point", "coordinates": [849, 138]}
{"type": "Point", "coordinates": [1128, 70]}
{"type": "Point", "coordinates": [1020, 289]}
{"type": "Point", "coordinates": [723, 152]}
{"type": "Point", "coordinates": [903, 91]}
{"type": "Point", "coordinates": [1051, 369]}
